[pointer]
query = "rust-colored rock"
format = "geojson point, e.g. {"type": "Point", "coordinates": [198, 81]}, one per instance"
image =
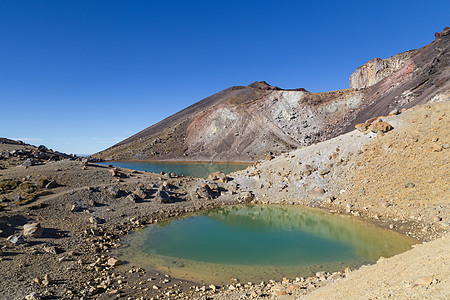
{"type": "Point", "coordinates": [361, 127]}
{"type": "Point", "coordinates": [380, 126]}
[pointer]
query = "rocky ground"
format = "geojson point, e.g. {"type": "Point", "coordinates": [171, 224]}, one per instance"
{"type": "Point", "coordinates": [392, 172]}
{"type": "Point", "coordinates": [398, 179]}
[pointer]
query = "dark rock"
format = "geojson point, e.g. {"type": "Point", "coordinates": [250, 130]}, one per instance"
{"type": "Point", "coordinates": [93, 203]}
{"type": "Point", "coordinates": [42, 148]}
{"type": "Point", "coordinates": [162, 196]}
{"type": "Point", "coordinates": [52, 184]}
{"type": "Point", "coordinates": [40, 155]}
{"type": "Point", "coordinates": [410, 185]}
{"type": "Point", "coordinates": [214, 188]}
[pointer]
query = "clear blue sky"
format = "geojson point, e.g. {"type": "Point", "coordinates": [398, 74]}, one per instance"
{"type": "Point", "coordinates": [79, 76]}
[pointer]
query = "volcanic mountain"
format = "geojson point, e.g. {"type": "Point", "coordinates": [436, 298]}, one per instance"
{"type": "Point", "coordinates": [245, 123]}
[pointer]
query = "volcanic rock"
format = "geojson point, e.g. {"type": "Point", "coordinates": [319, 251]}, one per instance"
{"type": "Point", "coordinates": [380, 126]}
{"type": "Point", "coordinates": [162, 196]}
{"type": "Point", "coordinates": [33, 230]}
{"type": "Point", "coordinates": [51, 184]}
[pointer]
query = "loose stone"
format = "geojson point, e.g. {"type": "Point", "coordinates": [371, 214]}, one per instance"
{"type": "Point", "coordinates": [33, 230]}
{"type": "Point", "coordinates": [425, 281]}
{"type": "Point", "coordinates": [16, 239]}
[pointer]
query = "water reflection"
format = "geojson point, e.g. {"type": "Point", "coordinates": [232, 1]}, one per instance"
{"type": "Point", "coordinates": [260, 242]}
{"type": "Point", "coordinates": [367, 239]}
{"type": "Point", "coordinates": [180, 168]}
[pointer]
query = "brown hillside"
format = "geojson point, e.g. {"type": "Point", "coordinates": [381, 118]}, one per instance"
{"type": "Point", "coordinates": [245, 123]}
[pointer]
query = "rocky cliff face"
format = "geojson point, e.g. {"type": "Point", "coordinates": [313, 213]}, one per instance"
{"type": "Point", "coordinates": [377, 69]}
{"type": "Point", "coordinates": [245, 123]}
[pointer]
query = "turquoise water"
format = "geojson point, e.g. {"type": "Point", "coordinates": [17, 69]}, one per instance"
{"type": "Point", "coordinates": [260, 242]}
{"type": "Point", "coordinates": [180, 168]}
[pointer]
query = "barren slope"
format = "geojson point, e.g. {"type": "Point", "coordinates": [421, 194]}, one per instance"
{"type": "Point", "coordinates": [245, 123]}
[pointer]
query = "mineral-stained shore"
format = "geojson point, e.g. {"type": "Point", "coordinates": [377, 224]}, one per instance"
{"type": "Point", "coordinates": [396, 176]}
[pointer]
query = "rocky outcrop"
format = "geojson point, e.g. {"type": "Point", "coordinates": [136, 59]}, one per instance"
{"type": "Point", "coordinates": [377, 69]}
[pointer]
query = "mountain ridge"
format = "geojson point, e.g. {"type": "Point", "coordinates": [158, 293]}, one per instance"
{"type": "Point", "coordinates": [245, 123]}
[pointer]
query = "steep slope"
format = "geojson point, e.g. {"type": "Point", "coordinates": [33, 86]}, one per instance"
{"type": "Point", "coordinates": [410, 78]}
{"type": "Point", "coordinates": [241, 124]}
{"type": "Point", "coordinates": [245, 123]}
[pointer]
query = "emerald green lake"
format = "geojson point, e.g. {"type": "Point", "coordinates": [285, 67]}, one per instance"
{"type": "Point", "coordinates": [259, 242]}
{"type": "Point", "coordinates": [197, 169]}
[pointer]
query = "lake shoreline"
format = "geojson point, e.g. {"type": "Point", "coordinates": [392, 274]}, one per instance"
{"type": "Point", "coordinates": [88, 208]}
{"type": "Point", "coordinates": [183, 161]}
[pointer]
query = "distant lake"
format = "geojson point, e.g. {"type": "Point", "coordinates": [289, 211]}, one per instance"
{"type": "Point", "coordinates": [196, 169]}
